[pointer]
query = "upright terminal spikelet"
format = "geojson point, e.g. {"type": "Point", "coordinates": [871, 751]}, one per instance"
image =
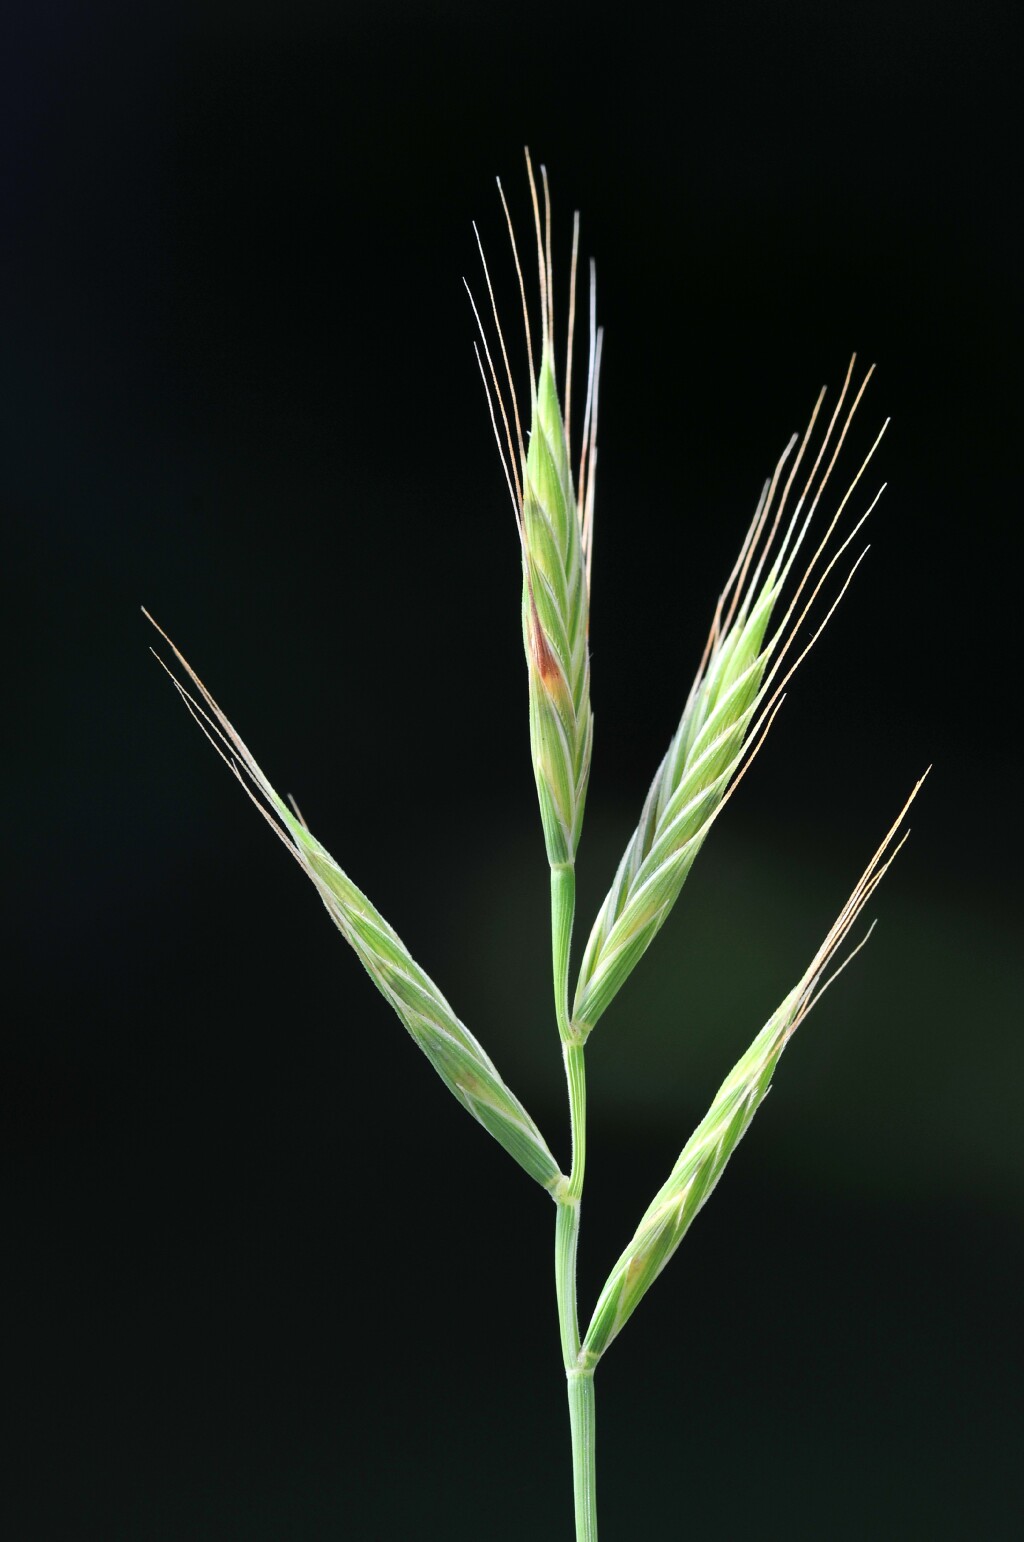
{"type": "Point", "coordinates": [734, 695]}
{"type": "Point", "coordinates": [704, 1157]}
{"type": "Point", "coordinates": [555, 615]}
{"type": "Point", "coordinates": [553, 497]}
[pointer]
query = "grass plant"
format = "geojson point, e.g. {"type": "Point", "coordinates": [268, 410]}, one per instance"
{"type": "Point", "coordinates": [768, 616]}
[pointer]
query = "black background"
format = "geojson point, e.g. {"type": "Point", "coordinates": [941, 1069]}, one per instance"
{"type": "Point", "coordinates": [264, 1279]}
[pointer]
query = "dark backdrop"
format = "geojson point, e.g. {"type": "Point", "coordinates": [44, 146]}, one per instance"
{"type": "Point", "coordinates": [263, 1278]}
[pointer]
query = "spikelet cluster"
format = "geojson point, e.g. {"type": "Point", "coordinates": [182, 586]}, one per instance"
{"type": "Point", "coordinates": [704, 1157]}
{"type": "Point", "coordinates": [732, 698]}
{"type": "Point", "coordinates": [553, 500]}
{"type": "Point", "coordinates": [747, 661]}
{"type": "Point", "coordinates": [461, 1062]}
{"type": "Point", "coordinates": [555, 615]}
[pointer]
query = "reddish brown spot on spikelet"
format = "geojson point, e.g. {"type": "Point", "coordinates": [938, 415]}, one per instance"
{"type": "Point", "coordinates": [541, 656]}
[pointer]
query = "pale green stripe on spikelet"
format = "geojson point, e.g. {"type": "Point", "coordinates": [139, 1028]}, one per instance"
{"type": "Point", "coordinates": [730, 699]}
{"type": "Point", "coordinates": [460, 1061]}
{"type": "Point", "coordinates": [704, 1157]}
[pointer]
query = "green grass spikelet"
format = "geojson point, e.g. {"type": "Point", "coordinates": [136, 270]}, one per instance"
{"type": "Point", "coordinates": [729, 703]}
{"type": "Point", "coordinates": [459, 1059]}
{"type": "Point", "coordinates": [555, 618]}
{"type": "Point", "coordinates": [705, 1155]}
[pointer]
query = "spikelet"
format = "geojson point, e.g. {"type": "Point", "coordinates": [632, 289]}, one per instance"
{"type": "Point", "coordinates": [455, 1054]}
{"type": "Point", "coordinates": [554, 512]}
{"type": "Point", "coordinates": [712, 1143]}
{"type": "Point", "coordinates": [734, 695]}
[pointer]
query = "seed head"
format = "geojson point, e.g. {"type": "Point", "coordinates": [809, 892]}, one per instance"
{"type": "Point", "coordinates": [730, 706]}
{"type": "Point", "coordinates": [704, 1157]}
{"type": "Point", "coordinates": [554, 513]}
{"type": "Point", "coordinates": [459, 1059]}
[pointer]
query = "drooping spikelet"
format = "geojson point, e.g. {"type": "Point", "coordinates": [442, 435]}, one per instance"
{"type": "Point", "coordinates": [554, 512]}
{"type": "Point", "coordinates": [731, 700]}
{"type": "Point", "coordinates": [703, 1158]}
{"type": "Point", "coordinates": [460, 1061]}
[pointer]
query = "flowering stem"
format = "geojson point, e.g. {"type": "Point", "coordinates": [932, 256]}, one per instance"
{"type": "Point", "coordinates": [580, 1381]}
{"type": "Point", "coordinates": [581, 1416]}
{"type": "Point", "coordinates": [563, 909]}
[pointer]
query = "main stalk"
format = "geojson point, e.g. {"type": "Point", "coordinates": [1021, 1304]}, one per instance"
{"type": "Point", "coordinates": [580, 1382]}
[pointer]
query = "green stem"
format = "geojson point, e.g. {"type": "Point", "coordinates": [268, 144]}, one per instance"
{"type": "Point", "coordinates": [581, 1418]}
{"type": "Point", "coordinates": [563, 909]}
{"type": "Point", "coordinates": [567, 1222]}
{"type": "Point", "coordinates": [567, 1230]}
{"type": "Point", "coordinates": [576, 1081]}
